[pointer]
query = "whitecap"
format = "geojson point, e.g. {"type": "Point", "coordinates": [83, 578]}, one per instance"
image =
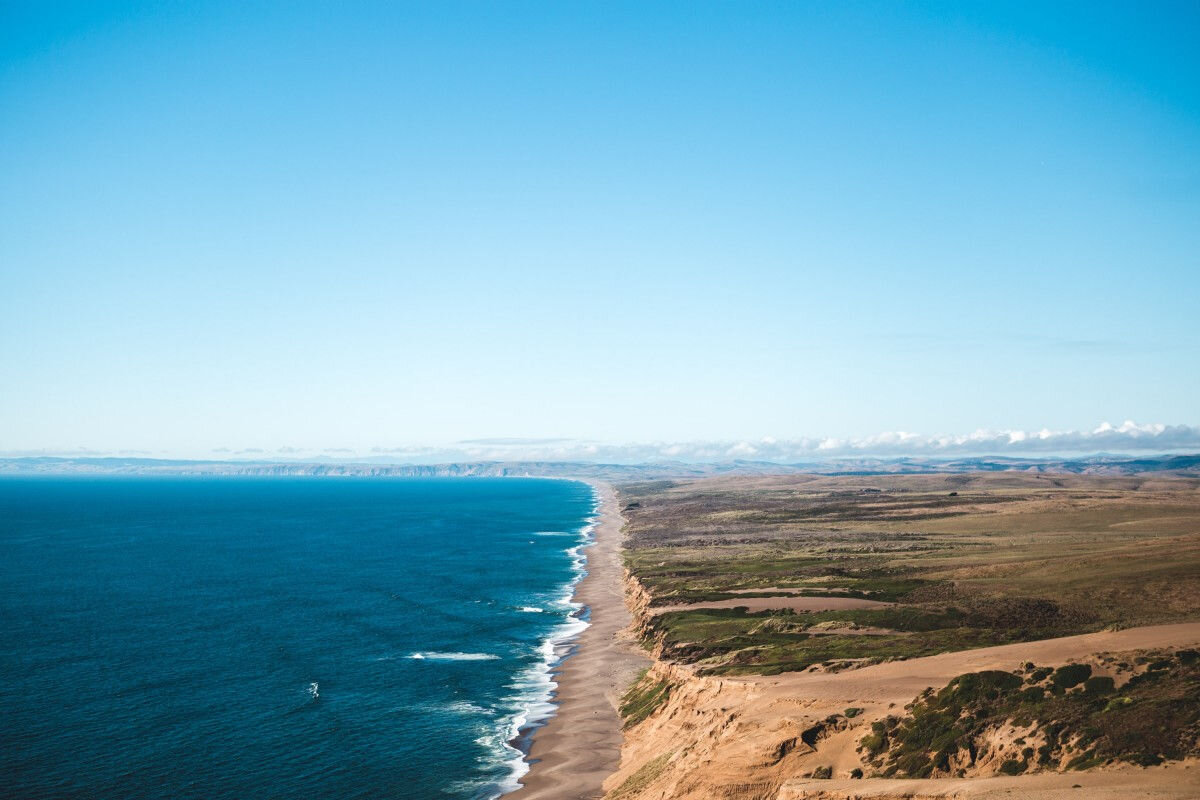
{"type": "Point", "coordinates": [531, 703]}
{"type": "Point", "coordinates": [530, 609]}
{"type": "Point", "coordinates": [434, 656]}
{"type": "Point", "coordinates": [466, 707]}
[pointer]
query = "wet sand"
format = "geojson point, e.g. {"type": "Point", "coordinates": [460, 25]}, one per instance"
{"type": "Point", "coordinates": [581, 744]}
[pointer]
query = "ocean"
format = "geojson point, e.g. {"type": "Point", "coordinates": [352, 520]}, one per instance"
{"type": "Point", "coordinates": [279, 637]}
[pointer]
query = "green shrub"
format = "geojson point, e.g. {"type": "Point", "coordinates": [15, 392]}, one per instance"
{"type": "Point", "coordinates": [643, 699]}
{"type": "Point", "coordinates": [975, 686]}
{"type": "Point", "coordinates": [1012, 767]}
{"type": "Point", "coordinates": [823, 773]}
{"type": "Point", "coordinates": [914, 765]}
{"type": "Point", "coordinates": [1070, 675]}
{"type": "Point", "coordinates": [852, 712]}
{"type": "Point", "coordinates": [1033, 694]}
{"type": "Point", "coordinates": [873, 743]}
{"type": "Point", "coordinates": [1118, 702]}
{"type": "Point", "coordinates": [1153, 720]}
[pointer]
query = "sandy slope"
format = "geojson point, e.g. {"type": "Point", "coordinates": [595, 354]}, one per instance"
{"type": "Point", "coordinates": [1171, 782]}
{"type": "Point", "coordinates": [743, 737]}
{"type": "Point", "coordinates": [580, 746]}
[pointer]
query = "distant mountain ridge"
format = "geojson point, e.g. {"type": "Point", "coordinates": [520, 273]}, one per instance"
{"type": "Point", "coordinates": [1099, 464]}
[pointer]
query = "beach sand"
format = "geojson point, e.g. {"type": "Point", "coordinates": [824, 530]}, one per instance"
{"type": "Point", "coordinates": [580, 745]}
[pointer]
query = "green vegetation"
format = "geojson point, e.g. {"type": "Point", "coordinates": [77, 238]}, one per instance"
{"type": "Point", "coordinates": [734, 641]}
{"type": "Point", "coordinates": [639, 780]}
{"type": "Point", "coordinates": [672, 577]}
{"type": "Point", "coordinates": [1009, 558]}
{"type": "Point", "coordinates": [1013, 767]}
{"type": "Point", "coordinates": [1155, 718]}
{"type": "Point", "coordinates": [1070, 675]}
{"type": "Point", "coordinates": [643, 699]}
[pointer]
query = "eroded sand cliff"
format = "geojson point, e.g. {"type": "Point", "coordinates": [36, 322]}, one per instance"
{"type": "Point", "coordinates": [798, 735]}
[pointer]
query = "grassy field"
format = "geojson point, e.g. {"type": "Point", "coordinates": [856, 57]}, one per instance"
{"type": "Point", "coordinates": [961, 560]}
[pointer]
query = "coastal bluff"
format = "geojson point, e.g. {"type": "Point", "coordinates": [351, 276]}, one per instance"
{"type": "Point", "coordinates": [866, 637]}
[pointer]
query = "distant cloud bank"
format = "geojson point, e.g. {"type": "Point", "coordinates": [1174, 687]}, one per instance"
{"type": "Point", "coordinates": [1128, 437]}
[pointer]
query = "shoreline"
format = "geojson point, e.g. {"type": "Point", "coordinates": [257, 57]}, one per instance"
{"type": "Point", "coordinates": [559, 645]}
{"type": "Point", "coordinates": [579, 746]}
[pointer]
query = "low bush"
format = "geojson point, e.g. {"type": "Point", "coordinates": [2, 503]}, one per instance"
{"type": "Point", "coordinates": [1155, 719]}
{"type": "Point", "coordinates": [1012, 767]}
{"type": "Point", "coordinates": [1070, 675]}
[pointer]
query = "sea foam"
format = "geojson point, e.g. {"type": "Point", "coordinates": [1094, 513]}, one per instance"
{"type": "Point", "coordinates": [432, 656]}
{"type": "Point", "coordinates": [532, 701]}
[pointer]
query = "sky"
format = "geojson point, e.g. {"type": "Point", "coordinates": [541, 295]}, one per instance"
{"type": "Point", "coordinates": [372, 227]}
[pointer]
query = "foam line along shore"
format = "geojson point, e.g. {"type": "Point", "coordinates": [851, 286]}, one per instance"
{"type": "Point", "coordinates": [580, 745]}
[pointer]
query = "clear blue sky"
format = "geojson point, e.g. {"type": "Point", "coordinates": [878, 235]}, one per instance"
{"type": "Point", "coordinates": [338, 224]}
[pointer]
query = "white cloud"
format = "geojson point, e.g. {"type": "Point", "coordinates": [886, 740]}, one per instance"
{"type": "Point", "coordinates": [1128, 437]}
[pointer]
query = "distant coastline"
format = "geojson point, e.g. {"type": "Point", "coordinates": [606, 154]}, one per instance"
{"type": "Point", "coordinates": [1095, 464]}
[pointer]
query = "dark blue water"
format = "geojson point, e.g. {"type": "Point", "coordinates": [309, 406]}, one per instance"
{"type": "Point", "coordinates": [262, 638]}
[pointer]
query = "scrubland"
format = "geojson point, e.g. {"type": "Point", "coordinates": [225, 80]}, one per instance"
{"type": "Point", "coordinates": [826, 636]}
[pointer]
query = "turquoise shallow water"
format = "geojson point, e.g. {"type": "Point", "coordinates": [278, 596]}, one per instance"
{"type": "Point", "coordinates": [317, 638]}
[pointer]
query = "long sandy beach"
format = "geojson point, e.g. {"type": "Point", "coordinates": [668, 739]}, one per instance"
{"type": "Point", "coordinates": [581, 745]}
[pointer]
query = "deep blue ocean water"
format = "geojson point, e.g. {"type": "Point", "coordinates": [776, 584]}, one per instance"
{"type": "Point", "coordinates": [290, 638]}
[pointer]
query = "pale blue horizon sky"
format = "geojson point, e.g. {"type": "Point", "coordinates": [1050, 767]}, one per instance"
{"type": "Point", "coordinates": [264, 225]}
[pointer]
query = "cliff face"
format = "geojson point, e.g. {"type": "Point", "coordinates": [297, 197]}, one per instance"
{"type": "Point", "coordinates": [717, 737]}
{"type": "Point", "coordinates": [798, 735]}
{"type": "Point", "coordinates": [638, 600]}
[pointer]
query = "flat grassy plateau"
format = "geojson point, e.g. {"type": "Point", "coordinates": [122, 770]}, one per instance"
{"type": "Point", "coordinates": [938, 562]}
